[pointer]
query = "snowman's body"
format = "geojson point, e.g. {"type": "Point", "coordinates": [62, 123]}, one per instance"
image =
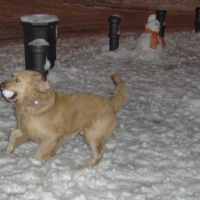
{"type": "Point", "coordinates": [144, 43]}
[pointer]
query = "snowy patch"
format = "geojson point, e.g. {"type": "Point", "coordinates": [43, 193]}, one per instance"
{"type": "Point", "coordinates": [39, 18]}
{"type": "Point", "coordinates": [39, 42]}
{"type": "Point", "coordinates": [155, 150]}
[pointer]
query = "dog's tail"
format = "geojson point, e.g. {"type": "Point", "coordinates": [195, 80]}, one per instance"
{"type": "Point", "coordinates": [120, 94]}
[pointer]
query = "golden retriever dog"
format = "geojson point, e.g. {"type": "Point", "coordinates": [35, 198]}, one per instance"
{"type": "Point", "coordinates": [47, 117]}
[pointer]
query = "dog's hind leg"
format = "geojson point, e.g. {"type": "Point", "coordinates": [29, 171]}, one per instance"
{"type": "Point", "coordinates": [16, 138]}
{"type": "Point", "coordinates": [98, 149]}
{"type": "Point", "coordinates": [98, 133]}
{"type": "Point", "coordinates": [47, 148]}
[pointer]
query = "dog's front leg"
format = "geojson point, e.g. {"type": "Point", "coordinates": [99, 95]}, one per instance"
{"type": "Point", "coordinates": [47, 148]}
{"type": "Point", "coordinates": [16, 138]}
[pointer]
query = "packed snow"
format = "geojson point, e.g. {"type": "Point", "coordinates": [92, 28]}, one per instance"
{"type": "Point", "coordinates": [155, 151]}
{"type": "Point", "coordinates": [7, 93]}
{"type": "Point", "coordinates": [39, 18]}
{"type": "Point", "coordinates": [39, 42]}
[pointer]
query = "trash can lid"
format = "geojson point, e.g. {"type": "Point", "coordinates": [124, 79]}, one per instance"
{"type": "Point", "coordinates": [39, 18]}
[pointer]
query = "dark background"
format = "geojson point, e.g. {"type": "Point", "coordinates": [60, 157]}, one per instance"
{"type": "Point", "coordinates": [84, 17]}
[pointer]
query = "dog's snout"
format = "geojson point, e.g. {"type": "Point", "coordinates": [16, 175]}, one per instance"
{"type": "Point", "coordinates": [2, 85]}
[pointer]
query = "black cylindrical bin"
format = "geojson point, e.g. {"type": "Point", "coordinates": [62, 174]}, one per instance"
{"type": "Point", "coordinates": [41, 26]}
{"type": "Point", "coordinates": [114, 31]}
{"type": "Point", "coordinates": [38, 49]}
{"type": "Point", "coordinates": [197, 22]}
{"type": "Point", "coordinates": [160, 16]}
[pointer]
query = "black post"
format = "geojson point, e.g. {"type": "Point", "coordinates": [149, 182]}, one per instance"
{"type": "Point", "coordinates": [160, 15]}
{"type": "Point", "coordinates": [41, 26]}
{"type": "Point", "coordinates": [114, 31]}
{"type": "Point", "coordinates": [197, 22]}
{"type": "Point", "coordinates": [38, 56]}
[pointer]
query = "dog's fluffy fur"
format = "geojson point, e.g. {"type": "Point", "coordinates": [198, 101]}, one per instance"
{"type": "Point", "coordinates": [46, 116]}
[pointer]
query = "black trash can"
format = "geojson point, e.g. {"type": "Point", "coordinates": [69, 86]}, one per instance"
{"type": "Point", "coordinates": [197, 22]}
{"type": "Point", "coordinates": [38, 49]}
{"type": "Point", "coordinates": [160, 16]}
{"type": "Point", "coordinates": [114, 31]}
{"type": "Point", "coordinates": [42, 26]}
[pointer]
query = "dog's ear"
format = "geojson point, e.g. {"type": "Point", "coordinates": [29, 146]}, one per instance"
{"type": "Point", "coordinates": [40, 83]}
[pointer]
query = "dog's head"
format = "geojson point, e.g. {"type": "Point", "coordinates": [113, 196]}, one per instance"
{"type": "Point", "coordinates": [24, 84]}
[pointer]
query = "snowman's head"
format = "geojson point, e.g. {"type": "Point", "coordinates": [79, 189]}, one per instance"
{"type": "Point", "coordinates": [153, 24]}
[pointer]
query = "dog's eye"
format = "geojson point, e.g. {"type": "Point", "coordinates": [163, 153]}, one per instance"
{"type": "Point", "coordinates": [17, 80]}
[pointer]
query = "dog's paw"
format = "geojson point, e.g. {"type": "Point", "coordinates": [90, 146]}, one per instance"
{"type": "Point", "coordinates": [9, 150]}
{"type": "Point", "coordinates": [91, 162]}
{"type": "Point", "coordinates": [43, 157]}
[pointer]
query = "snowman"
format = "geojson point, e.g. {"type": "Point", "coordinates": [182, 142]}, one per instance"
{"type": "Point", "coordinates": [150, 44]}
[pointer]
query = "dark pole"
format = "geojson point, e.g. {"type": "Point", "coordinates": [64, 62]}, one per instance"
{"type": "Point", "coordinates": [114, 31]}
{"type": "Point", "coordinates": [197, 22]}
{"type": "Point", "coordinates": [160, 15]}
{"type": "Point", "coordinates": [39, 56]}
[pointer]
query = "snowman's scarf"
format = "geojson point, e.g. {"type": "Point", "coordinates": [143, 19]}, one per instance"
{"type": "Point", "coordinates": [154, 42]}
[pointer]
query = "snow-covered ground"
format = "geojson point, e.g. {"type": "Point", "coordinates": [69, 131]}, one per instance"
{"type": "Point", "coordinates": [155, 152]}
